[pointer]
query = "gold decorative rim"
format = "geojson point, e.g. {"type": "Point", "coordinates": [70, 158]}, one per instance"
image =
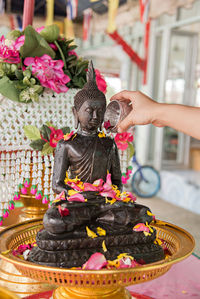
{"type": "Point", "coordinates": [179, 242]}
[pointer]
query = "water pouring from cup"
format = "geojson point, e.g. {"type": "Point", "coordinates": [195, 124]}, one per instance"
{"type": "Point", "coordinates": [116, 111]}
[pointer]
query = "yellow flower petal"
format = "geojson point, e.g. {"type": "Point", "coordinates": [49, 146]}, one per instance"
{"type": "Point", "coordinates": [147, 234]}
{"type": "Point", "coordinates": [72, 192]}
{"type": "Point", "coordinates": [90, 233]}
{"type": "Point", "coordinates": [102, 134]}
{"type": "Point", "coordinates": [5, 252]}
{"type": "Point", "coordinates": [111, 202]}
{"type": "Point", "coordinates": [104, 246]}
{"type": "Point", "coordinates": [122, 255]}
{"type": "Point", "coordinates": [101, 231]}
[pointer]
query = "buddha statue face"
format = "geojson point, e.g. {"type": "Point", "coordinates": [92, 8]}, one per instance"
{"type": "Point", "coordinates": [90, 115]}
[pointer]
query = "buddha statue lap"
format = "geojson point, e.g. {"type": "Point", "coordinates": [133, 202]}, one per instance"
{"type": "Point", "coordinates": [64, 241]}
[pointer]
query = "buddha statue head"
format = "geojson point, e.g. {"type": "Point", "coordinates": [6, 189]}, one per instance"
{"type": "Point", "coordinates": [89, 105]}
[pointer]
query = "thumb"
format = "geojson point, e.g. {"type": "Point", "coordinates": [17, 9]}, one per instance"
{"type": "Point", "coordinates": [125, 124]}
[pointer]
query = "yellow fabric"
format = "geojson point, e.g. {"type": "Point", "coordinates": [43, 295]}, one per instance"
{"type": "Point", "coordinates": [112, 12]}
{"type": "Point", "coordinates": [50, 12]}
{"type": "Point", "coordinates": [69, 30]}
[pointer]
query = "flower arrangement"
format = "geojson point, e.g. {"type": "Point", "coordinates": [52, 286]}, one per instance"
{"type": "Point", "coordinates": [45, 139]}
{"type": "Point", "coordinates": [32, 60]}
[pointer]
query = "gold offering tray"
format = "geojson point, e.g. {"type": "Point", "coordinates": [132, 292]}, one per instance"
{"type": "Point", "coordinates": [91, 283]}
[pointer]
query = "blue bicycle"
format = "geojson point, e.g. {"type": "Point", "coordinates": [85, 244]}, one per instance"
{"type": "Point", "coordinates": [145, 180]}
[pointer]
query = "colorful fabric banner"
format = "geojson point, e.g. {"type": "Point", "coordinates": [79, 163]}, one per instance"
{"type": "Point", "coordinates": [128, 49]}
{"type": "Point", "coordinates": [112, 12]}
{"type": "Point", "coordinates": [69, 30]}
{"type": "Point", "coordinates": [2, 7]}
{"type": "Point", "coordinates": [15, 22]}
{"type": "Point", "coordinates": [87, 16]}
{"type": "Point", "coordinates": [72, 9]}
{"type": "Point", "coordinates": [144, 10]}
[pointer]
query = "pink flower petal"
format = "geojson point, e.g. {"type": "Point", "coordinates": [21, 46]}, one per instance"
{"type": "Point", "coordinates": [97, 261]}
{"type": "Point", "coordinates": [76, 197]}
{"type": "Point", "coordinates": [90, 187]}
{"type": "Point", "coordinates": [60, 196]}
{"type": "Point", "coordinates": [141, 227]}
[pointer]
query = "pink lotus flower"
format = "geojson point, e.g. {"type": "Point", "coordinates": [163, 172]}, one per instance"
{"type": "Point", "coordinates": [16, 196]}
{"type": "Point", "coordinates": [141, 227]}
{"type": "Point", "coordinates": [63, 211]}
{"type": "Point", "coordinates": [33, 189]}
{"type": "Point", "coordinates": [97, 261]}
{"type": "Point", "coordinates": [1, 221]}
{"type": "Point", "coordinates": [76, 197]}
{"type": "Point", "coordinates": [122, 140]}
{"type": "Point", "coordinates": [55, 136]}
{"type": "Point", "coordinates": [101, 83]}
{"type": "Point", "coordinates": [23, 190]}
{"type": "Point", "coordinates": [8, 53]}
{"type": "Point", "coordinates": [49, 72]}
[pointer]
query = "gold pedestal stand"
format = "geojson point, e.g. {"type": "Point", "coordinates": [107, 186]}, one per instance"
{"type": "Point", "coordinates": [6, 294]}
{"type": "Point", "coordinates": [91, 284]}
{"type": "Point", "coordinates": [33, 209]}
{"type": "Point", "coordinates": [10, 277]}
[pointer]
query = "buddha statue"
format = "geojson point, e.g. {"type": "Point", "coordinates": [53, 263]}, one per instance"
{"type": "Point", "coordinates": [64, 241]}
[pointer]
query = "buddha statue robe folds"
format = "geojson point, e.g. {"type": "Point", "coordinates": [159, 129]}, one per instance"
{"type": "Point", "coordinates": [69, 239]}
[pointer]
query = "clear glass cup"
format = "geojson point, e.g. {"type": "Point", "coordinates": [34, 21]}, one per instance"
{"type": "Point", "coordinates": [116, 111]}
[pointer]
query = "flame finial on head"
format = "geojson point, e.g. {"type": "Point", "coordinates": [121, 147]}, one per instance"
{"type": "Point", "coordinates": [91, 76]}
{"type": "Point", "coordinates": [90, 90]}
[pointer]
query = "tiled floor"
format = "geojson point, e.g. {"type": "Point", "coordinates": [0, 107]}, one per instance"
{"type": "Point", "coordinates": [176, 215]}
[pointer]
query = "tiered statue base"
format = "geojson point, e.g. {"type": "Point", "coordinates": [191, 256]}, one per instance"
{"type": "Point", "coordinates": [90, 283]}
{"type": "Point", "coordinates": [65, 242]}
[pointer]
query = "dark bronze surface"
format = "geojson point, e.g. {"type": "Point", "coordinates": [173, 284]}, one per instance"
{"type": "Point", "coordinates": [89, 157]}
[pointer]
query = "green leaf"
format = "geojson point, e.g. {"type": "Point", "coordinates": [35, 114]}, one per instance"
{"type": "Point", "coordinates": [70, 58]}
{"type": "Point", "coordinates": [37, 144]}
{"type": "Point", "coordinates": [131, 150]}
{"type": "Point", "coordinates": [35, 44]}
{"type": "Point", "coordinates": [65, 130]}
{"type": "Point", "coordinates": [50, 33]}
{"type": "Point", "coordinates": [8, 89]}
{"type": "Point", "coordinates": [47, 149]}
{"type": "Point", "coordinates": [14, 34]}
{"type": "Point", "coordinates": [19, 74]}
{"type": "Point", "coordinates": [49, 124]}
{"type": "Point", "coordinates": [45, 131]}
{"type": "Point", "coordinates": [32, 132]}
{"type": "Point", "coordinates": [72, 47]}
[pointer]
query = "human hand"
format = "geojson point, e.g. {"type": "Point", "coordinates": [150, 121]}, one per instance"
{"type": "Point", "coordinates": [144, 110]}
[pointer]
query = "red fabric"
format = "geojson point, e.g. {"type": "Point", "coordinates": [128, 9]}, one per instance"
{"type": "Point", "coordinates": [127, 48]}
{"type": "Point", "coordinates": [47, 295]}
{"type": "Point", "coordinates": [181, 281]}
